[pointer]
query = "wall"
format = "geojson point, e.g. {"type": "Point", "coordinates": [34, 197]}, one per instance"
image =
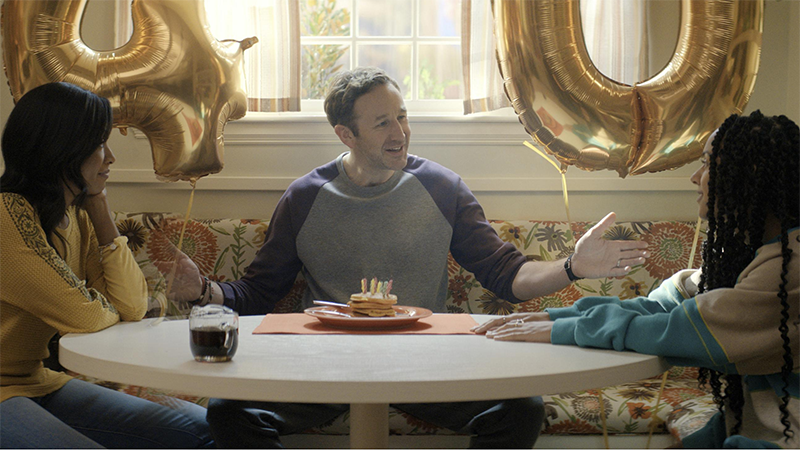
{"type": "Point", "coordinates": [264, 154]}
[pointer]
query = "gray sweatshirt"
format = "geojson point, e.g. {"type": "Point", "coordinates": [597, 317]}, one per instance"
{"type": "Point", "coordinates": [337, 233]}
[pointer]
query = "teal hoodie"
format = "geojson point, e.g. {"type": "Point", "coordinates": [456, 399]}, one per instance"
{"type": "Point", "coordinates": [730, 330]}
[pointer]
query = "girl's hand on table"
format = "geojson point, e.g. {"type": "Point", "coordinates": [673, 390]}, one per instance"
{"type": "Point", "coordinates": [537, 331]}
{"type": "Point", "coordinates": [500, 321]}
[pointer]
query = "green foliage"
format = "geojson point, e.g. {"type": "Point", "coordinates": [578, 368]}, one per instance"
{"type": "Point", "coordinates": [430, 87]}
{"type": "Point", "coordinates": [321, 18]}
{"type": "Point", "coordinates": [530, 236]}
{"type": "Point", "coordinates": [237, 250]}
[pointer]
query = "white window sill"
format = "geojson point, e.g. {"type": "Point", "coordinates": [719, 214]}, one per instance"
{"type": "Point", "coordinates": [503, 115]}
{"type": "Point", "coordinates": [303, 128]}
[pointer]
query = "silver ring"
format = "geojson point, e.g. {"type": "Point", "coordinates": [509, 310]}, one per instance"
{"type": "Point", "coordinates": [505, 319]}
{"type": "Point", "coordinates": [618, 262]}
{"type": "Point", "coordinates": [517, 322]}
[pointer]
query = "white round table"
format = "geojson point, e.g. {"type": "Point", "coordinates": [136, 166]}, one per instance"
{"type": "Point", "coordinates": [367, 371]}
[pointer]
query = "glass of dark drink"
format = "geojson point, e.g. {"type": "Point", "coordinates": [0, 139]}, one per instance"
{"type": "Point", "coordinates": [214, 333]}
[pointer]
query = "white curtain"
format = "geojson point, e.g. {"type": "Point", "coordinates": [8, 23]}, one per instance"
{"type": "Point", "coordinates": [272, 66]}
{"type": "Point", "coordinates": [483, 85]}
{"type": "Point", "coordinates": [615, 32]}
{"type": "Point", "coordinates": [616, 39]}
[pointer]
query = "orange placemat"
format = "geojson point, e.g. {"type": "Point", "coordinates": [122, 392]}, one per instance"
{"type": "Point", "coordinates": [304, 324]}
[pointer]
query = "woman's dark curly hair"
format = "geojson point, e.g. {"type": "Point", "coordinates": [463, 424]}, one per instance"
{"type": "Point", "coordinates": [753, 174]}
{"type": "Point", "coordinates": [49, 134]}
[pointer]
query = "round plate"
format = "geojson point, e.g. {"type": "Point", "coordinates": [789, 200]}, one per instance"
{"type": "Point", "coordinates": [337, 317]}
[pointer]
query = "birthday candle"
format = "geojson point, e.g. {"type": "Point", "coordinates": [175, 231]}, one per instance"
{"type": "Point", "coordinates": [363, 285]}
{"type": "Point", "coordinates": [373, 285]}
{"type": "Point", "coordinates": [388, 287]}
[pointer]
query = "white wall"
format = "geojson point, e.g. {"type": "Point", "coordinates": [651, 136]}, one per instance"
{"type": "Point", "coordinates": [263, 155]}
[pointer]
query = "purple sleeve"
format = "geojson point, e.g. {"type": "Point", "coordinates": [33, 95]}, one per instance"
{"type": "Point", "coordinates": [474, 245]}
{"type": "Point", "coordinates": [274, 269]}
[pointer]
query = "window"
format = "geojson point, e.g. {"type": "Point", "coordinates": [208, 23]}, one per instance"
{"type": "Point", "coordinates": [418, 42]}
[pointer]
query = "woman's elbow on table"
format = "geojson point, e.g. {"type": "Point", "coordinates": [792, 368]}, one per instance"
{"type": "Point", "coordinates": [134, 306]}
{"type": "Point", "coordinates": [134, 314]}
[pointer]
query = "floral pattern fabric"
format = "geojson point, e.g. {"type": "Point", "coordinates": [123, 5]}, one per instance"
{"type": "Point", "coordinates": [222, 250]}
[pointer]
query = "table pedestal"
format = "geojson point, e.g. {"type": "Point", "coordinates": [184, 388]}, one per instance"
{"type": "Point", "coordinates": [369, 425]}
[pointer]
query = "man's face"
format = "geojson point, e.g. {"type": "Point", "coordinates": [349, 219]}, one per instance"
{"type": "Point", "coordinates": [381, 146]}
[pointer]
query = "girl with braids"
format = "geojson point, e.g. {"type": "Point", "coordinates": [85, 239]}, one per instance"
{"type": "Point", "coordinates": [737, 317]}
{"type": "Point", "coordinates": [66, 268]}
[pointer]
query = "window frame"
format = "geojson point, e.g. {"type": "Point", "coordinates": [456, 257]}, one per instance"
{"type": "Point", "coordinates": [428, 106]}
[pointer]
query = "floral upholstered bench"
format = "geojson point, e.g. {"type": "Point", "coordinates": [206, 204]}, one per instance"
{"type": "Point", "coordinates": [223, 248]}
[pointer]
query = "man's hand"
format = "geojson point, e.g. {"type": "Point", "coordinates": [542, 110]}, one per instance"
{"type": "Point", "coordinates": [596, 257]}
{"type": "Point", "coordinates": [184, 282]}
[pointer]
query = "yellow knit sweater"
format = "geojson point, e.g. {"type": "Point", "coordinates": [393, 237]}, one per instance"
{"type": "Point", "coordinates": [67, 289]}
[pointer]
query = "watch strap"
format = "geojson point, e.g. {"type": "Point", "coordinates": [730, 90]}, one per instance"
{"type": "Point", "coordinates": [568, 269]}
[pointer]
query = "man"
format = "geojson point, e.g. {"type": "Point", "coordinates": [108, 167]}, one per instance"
{"type": "Point", "coordinates": [378, 211]}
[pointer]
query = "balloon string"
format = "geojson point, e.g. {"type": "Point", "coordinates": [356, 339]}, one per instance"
{"type": "Point", "coordinates": [603, 417]}
{"type": "Point", "coordinates": [563, 179]}
{"type": "Point", "coordinates": [171, 276]}
{"type": "Point", "coordinates": [654, 422]}
{"type": "Point", "coordinates": [566, 197]}
{"type": "Point", "coordinates": [531, 146]}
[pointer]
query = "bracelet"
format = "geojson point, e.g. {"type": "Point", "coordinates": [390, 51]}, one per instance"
{"type": "Point", "coordinates": [568, 269]}
{"type": "Point", "coordinates": [111, 246]}
{"type": "Point", "coordinates": [199, 300]}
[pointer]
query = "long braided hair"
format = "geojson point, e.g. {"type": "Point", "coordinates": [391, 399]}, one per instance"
{"type": "Point", "coordinates": [753, 173]}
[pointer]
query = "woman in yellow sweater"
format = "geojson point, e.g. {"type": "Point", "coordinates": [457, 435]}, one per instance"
{"type": "Point", "coordinates": [66, 269]}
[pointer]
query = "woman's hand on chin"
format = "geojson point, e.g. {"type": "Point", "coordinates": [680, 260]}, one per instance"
{"type": "Point", "coordinates": [94, 201]}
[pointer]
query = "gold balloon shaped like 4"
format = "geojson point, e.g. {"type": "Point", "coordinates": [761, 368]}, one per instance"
{"type": "Point", "coordinates": [585, 119]}
{"type": "Point", "coordinates": [173, 80]}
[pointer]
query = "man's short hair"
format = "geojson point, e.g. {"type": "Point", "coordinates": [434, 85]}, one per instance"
{"type": "Point", "coordinates": [346, 87]}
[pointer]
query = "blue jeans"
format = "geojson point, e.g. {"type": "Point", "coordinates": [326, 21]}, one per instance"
{"type": "Point", "coordinates": [84, 415]}
{"type": "Point", "coordinates": [494, 424]}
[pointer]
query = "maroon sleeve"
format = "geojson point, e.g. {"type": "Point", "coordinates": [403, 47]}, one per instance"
{"type": "Point", "coordinates": [474, 245]}
{"type": "Point", "coordinates": [274, 269]}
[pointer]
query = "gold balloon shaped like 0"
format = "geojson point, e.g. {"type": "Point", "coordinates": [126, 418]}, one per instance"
{"type": "Point", "coordinates": [173, 80]}
{"type": "Point", "coordinates": [585, 119]}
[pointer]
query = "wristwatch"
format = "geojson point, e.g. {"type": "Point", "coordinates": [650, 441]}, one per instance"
{"type": "Point", "coordinates": [568, 269]}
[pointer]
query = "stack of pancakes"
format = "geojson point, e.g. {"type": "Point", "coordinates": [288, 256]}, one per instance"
{"type": "Point", "coordinates": [375, 301]}
{"type": "Point", "coordinates": [372, 305]}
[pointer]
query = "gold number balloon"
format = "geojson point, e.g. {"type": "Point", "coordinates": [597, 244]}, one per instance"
{"type": "Point", "coordinates": [173, 79]}
{"type": "Point", "coordinates": [587, 120]}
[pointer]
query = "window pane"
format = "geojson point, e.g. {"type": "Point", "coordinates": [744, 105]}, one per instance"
{"type": "Point", "coordinates": [395, 59]}
{"type": "Point", "coordinates": [325, 17]}
{"type": "Point", "coordinates": [384, 17]}
{"type": "Point", "coordinates": [440, 18]}
{"type": "Point", "coordinates": [439, 72]}
{"type": "Point", "coordinates": [320, 62]}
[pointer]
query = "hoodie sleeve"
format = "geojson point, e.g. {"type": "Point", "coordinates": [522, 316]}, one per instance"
{"type": "Point", "coordinates": [731, 330]}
